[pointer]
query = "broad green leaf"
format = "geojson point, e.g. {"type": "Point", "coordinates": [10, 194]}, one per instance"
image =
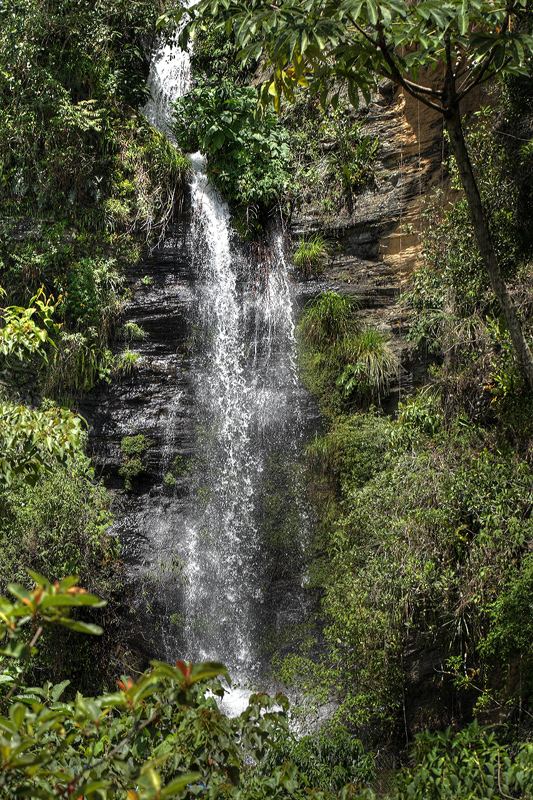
{"type": "Point", "coordinates": [81, 627]}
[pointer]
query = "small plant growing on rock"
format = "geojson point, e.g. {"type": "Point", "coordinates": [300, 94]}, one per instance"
{"type": "Point", "coordinates": [327, 319]}
{"type": "Point", "coordinates": [131, 332]}
{"type": "Point", "coordinates": [132, 449]}
{"type": "Point", "coordinates": [311, 255]}
{"type": "Point", "coordinates": [372, 365]}
{"type": "Point", "coordinates": [127, 362]}
{"type": "Point", "coordinates": [169, 479]}
{"type": "Point", "coordinates": [177, 470]}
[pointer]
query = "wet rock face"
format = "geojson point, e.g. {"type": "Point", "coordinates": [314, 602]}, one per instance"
{"type": "Point", "coordinates": [384, 220]}
{"type": "Point", "coordinates": [144, 400]}
{"type": "Point", "coordinates": [377, 239]}
{"type": "Point", "coordinates": [156, 401]}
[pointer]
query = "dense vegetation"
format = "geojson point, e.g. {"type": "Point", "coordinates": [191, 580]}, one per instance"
{"type": "Point", "coordinates": [422, 562]}
{"type": "Point", "coordinates": [422, 558]}
{"type": "Point", "coordinates": [261, 161]}
{"type": "Point", "coordinates": [86, 183]}
{"type": "Point", "coordinates": [79, 169]}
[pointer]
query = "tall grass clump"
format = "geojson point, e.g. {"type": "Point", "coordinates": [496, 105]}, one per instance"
{"type": "Point", "coordinates": [344, 364]}
{"type": "Point", "coordinates": [327, 320]}
{"type": "Point", "coordinates": [311, 254]}
{"type": "Point", "coordinates": [372, 364]}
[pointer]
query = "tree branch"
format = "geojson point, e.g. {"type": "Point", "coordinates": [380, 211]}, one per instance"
{"type": "Point", "coordinates": [416, 91]}
{"type": "Point", "coordinates": [481, 77]}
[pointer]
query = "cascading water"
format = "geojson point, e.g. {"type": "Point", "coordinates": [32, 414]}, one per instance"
{"type": "Point", "coordinates": [245, 405]}
{"type": "Point", "coordinates": [247, 409]}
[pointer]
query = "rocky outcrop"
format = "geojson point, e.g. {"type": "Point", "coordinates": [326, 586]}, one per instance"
{"type": "Point", "coordinates": [143, 399]}
{"type": "Point", "coordinates": [377, 241]}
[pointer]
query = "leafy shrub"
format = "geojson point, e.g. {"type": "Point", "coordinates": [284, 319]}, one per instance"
{"type": "Point", "coordinates": [160, 736]}
{"type": "Point", "coordinates": [247, 155]}
{"type": "Point", "coordinates": [470, 763]}
{"type": "Point", "coordinates": [60, 525]}
{"type": "Point", "coordinates": [417, 417]}
{"type": "Point", "coordinates": [342, 363]}
{"type": "Point", "coordinates": [32, 440]}
{"type": "Point", "coordinates": [57, 526]}
{"type": "Point", "coordinates": [215, 56]}
{"type": "Point", "coordinates": [65, 127]}
{"type": "Point", "coordinates": [328, 759]}
{"type": "Point", "coordinates": [354, 154]}
{"type": "Point", "coordinates": [427, 543]}
{"type": "Point", "coordinates": [332, 159]}
{"type": "Point", "coordinates": [169, 479]}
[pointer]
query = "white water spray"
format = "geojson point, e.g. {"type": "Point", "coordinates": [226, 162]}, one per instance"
{"type": "Point", "coordinates": [247, 410]}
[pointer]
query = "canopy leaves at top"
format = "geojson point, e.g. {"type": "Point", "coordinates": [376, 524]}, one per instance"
{"type": "Point", "coordinates": [322, 44]}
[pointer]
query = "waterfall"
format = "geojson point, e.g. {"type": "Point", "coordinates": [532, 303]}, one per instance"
{"type": "Point", "coordinates": [248, 413]}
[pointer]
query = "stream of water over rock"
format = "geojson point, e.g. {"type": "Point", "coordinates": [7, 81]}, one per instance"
{"type": "Point", "coordinates": [218, 530]}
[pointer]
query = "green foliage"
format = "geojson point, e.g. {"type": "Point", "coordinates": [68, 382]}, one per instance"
{"type": "Point", "coordinates": [332, 159]}
{"type": "Point", "coordinates": [428, 538]}
{"type": "Point", "coordinates": [65, 120]}
{"type": "Point", "coordinates": [89, 286]}
{"type": "Point", "coordinates": [56, 526]}
{"type": "Point", "coordinates": [452, 283]}
{"type": "Point", "coordinates": [20, 336]}
{"type": "Point", "coordinates": [157, 737]}
{"type": "Point", "coordinates": [467, 764]}
{"type": "Point", "coordinates": [353, 156]}
{"type": "Point", "coordinates": [327, 319]}
{"type": "Point", "coordinates": [127, 362]}
{"type": "Point", "coordinates": [417, 417]}
{"type": "Point", "coordinates": [78, 364]}
{"type": "Point", "coordinates": [247, 155]}
{"type": "Point", "coordinates": [32, 440]}
{"type": "Point", "coordinates": [134, 445]}
{"type": "Point", "coordinates": [510, 622]}
{"type": "Point", "coordinates": [178, 469]}
{"type": "Point", "coordinates": [373, 363]}
{"type": "Point", "coordinates": [329, 759]}
{"type": "Point", "coordinates": [76, 155]}
{"type": "Point", "coordinates": [451, 309]}
{"type": "Point", "coordinates": [311, 254]}
{"type": "Point", "coordinates": [215, 56]}
{"type": "Point", "coordinates": [132, 332]}
{"type": "Point", "coordinates": [169, 479]}
{"type": "Point", "coordinates": [350, 455]}
{"type": "Point", "coordinates": [365, 40]}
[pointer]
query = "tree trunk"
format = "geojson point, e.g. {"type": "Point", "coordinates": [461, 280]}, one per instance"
{"type": "Point", "coordinates": [484, 240]}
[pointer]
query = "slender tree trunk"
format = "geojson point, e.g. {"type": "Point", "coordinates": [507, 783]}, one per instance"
{"type": "Point", "coordinates": [484, 240]}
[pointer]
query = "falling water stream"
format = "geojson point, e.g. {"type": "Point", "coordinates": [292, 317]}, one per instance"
{"type": "Point", "coordinates": [248, 410]}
